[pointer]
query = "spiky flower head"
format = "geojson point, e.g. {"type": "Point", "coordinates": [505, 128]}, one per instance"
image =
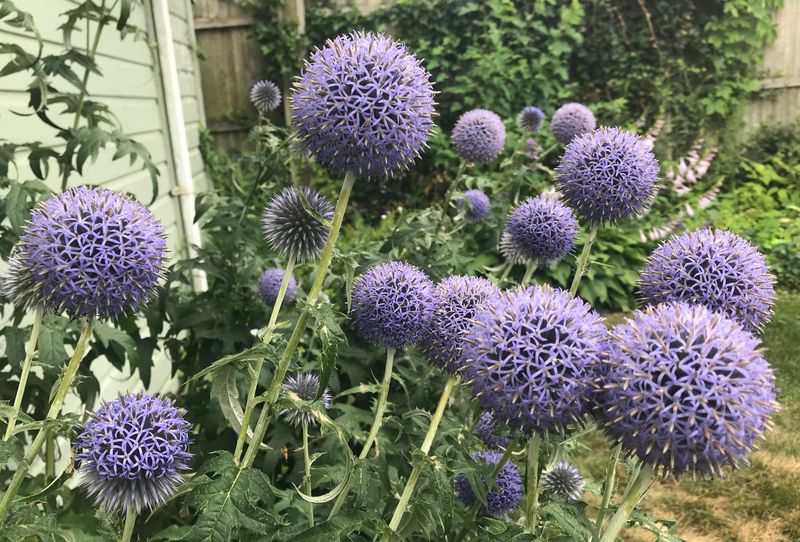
{"type": "Point", "coordinates": [490, 432]}
{"type": "Point", "coordinates": [686, 389]}
{"type": "Point", "coordinates": [608, 175]}
{"type": "Point", "coordinates": [507, 495]}
{"type": "Point", "coordinates": [479, 136]}
{"type": "Point", "coordinates": [269, 285]}
{"type": "Point", "coordinates": [18, 286]}
{"type": "Point", "coordinates": [364, 104]}
{"type": "Point", "coordinates": [542, 229]}
{"type": "Point", "coordinates": [564, 480]}
{"type": "Point", "coordinates": [393, 304]}
{"type": "Point", "coordinates": [265, 96]}
{"type": "Point", "coordinates": [458, 299]}
{"type": "Point", "coordinates": [572, 120]}
{"type": "Point", "coordinates": [530, 118]}
{"type": "Point", "coordinates": [292, 226]}
{"type": "Point", "coordinates": [530, 357]}
{"type": "Point", "coordinates": [478, 208]}
{"type": "Point", "coordinates": [713, 268]}
{"type": "Point", "coordinates": [92, 252]}
{"type": "Point", "coordinates": [306, 386]}
{"type": "Point", "coordinates": [132, 451]}
{"type": "Point", "coordinates": [532, 149]}
{"type": "Point", "coordinates": [510, 250]}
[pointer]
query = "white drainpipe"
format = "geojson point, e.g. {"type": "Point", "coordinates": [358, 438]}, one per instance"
{"type": "Point", "coordinates": [177, 133]}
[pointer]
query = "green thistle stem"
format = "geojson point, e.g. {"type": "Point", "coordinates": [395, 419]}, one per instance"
{"type": "Point", "coordinates": [52, 414]}
{"type": "Point", "coordinates": [376, 425]}
{"type": "Point", "coordinates": [506, 271]}
{"type": "Point", "coordinates": [532, 485]}
{"type": "Point", "coordinates": [294, 340]}
{"type": "Point", "coordinates": [307, 477]}
{"type": "Point", "coordinates": [636, 489]}
{"type": "Point", "coordinates": [30, 349]}
{"type": "Point", "coordinates": [608, 490]}
{"type": "Point", "coordinates": [448, 196]}
{"type": "Point", "coordinates": [130, 523]}
{"type": "Point", "coordinates": [529, 271]}
{"type": "Point", "coordinates": [251, 393]}
{"type": "Point", "coordinates": [426, 447]}
{"type": "Point", "coordinates": [583, 259]}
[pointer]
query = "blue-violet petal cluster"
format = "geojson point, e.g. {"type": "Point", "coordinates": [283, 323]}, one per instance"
{"type": "Point", "coordinates": [478, 208]}
{"type": "Point", "coordinates": [572, 120]}
{"type": "Point", "coordinates": [479, 136]}
{"type": "Point", "coordinates": [502, 500]}
{"type": "Point", "coordinates": [489, 431]}
{"type": "Point", "coordinates": [542, 229]}
{"type": "Point", "coordinates": [269, 285]}
{"type": "Point", "coordinates": [265, 96]}
{"type": "Point", "coordinates": [291, 229]}
{"type": "Point", "coordinates": [306, 386]}
{"type": "Point", "coordinates": [564, 480]}
{"type": "Point", "coordinates": [132, 452]}
{"type": "Point", "coordinates": [530, 118]}
{"type": "Point", "coordinates": [364, 104]}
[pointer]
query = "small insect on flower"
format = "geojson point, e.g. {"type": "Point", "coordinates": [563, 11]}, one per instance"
{"type": "Point", "coordinates": [365, 105]}
{"type": "Point", "coordinates": [479, 136]}
{"type": "Point", "coordinates": [306, 386]}
{"type": "Point", "coordinates": [571, 120]}
{"type": "Point", "coordinates": [269, 285]}
{"type": "Point", "coordinates": [265, 96]}
{"type": "Point", "coordinates": [564, 480]}
{"type": "Point", "coordinates": [530, 118]}
{"type": "Point", "coordinates": [542, 229]}
{"type": "Point", "coordinates": [91, 253]}
{"type": "Point", "coordinates": [132, 452]}
{"type": "Point", "coordinates": [477, 205]}
{"type": "Point", "coordinates": [502, 500]}
{"type": "Point", "coordinates": [686, 390]}
{"type": "Point", "coordinates": [295, 223]}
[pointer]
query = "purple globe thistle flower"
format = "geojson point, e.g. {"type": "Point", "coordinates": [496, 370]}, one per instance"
{"type": "Point", "coordinates": [478, 205]}
{"type": "Point", "coordinates": [393, 304]}
{"type": "Point", "coordinates": [489, 433]}
{"type": "Point", "coordinates": [132, 452]}
{"type": "Point", "coordinates": [269, 285]}
{"type": "Point", "coordinates": [713, 268]}
{"type": "Point", "coordinates": [457, 299]}
{"type": "Point", "coordinates": [18, 285]}
{"type": "Point", "coordinates": [364, 104]}
{"type": "Point", "coordinates": [291, 229]}
{"type": "Point", "coordinates": [306, 386]}
{"type": "Point", "coordinates": [510, 251]}
{"type": "Point", "coordinates": [500, 501]}
{"type": "Point", "coordinates": [265, 96]}
{"type": "Point", "coordinates": [608, 175]}
{"type": "Point", "coordinates": [564, 480]}
{"type": "Point", "coordinates": [530, 357]}
{"type": "Point", "coordinates": [530, 118]}
{"type": "Point", "coordinates": [479, 136]}
{"type": "Point", "coordinates": [686, 389]}
{"type": "Point", "coordinates": [92, 252]}
{"type": "Point", "coordinates": [532, 149]}
{"type": "Point", "coordinates": [571, 120]}
{"type": "Point", "coordinates": [542, 229]}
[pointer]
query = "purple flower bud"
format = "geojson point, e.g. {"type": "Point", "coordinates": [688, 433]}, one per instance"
{"type": "Point", "coordinates": [265, 96]}
{"type": "Point", "coordinates": [530, 119]}
{"type": "Point", "coordinates": [564, 480]}
{"type": "Point", "coordinates": [478, 205]}
{"type": "Point", "coordinates": [505, 498]}
{"type": "Point", "coordinates": [542, 229]}
{"type": "Point", "coordinates": [291, 229]}
{"type": "Point", "coordinates": [571, 120]}
{"type": "Point", "coordinates": [269, 285]}
{"type": "Point", "coordinates": [306, 386]}
{"type": "Point", "coordinates": [479, 136]}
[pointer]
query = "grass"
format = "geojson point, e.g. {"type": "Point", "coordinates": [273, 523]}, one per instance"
{"type": "Point", "coordinates": [756, 504]}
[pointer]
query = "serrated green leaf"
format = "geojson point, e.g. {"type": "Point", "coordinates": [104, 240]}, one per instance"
{"type": "Point", "coordinates": [114, 338]}
{"type": "Point", "coordinates": [241, 360]}
{"type": "Point", "coordinates": [51, 342]}
{"type": "Point", "coordinates": [15, 344]}
{"type": "Point", "coordinates": [326, 326]}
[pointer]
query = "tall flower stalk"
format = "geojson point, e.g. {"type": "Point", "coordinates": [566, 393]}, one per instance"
{"type": "Point", "coordinates": [30, 350]}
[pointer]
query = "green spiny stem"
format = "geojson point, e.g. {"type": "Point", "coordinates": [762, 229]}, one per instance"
{"type": "Point", "coordinates": [294, 340]}
{"type": "Point", "coordinates": [636, 489]}
{"type": "Point", "coordinates": [532, 485]}
{"type": "Point", "coordinates": [529, 271]}
{"type": "Point", "coordinates": [583, 259]}
{"type": "Point", "coordinates": [130, 522]}
{"type": "Point", "coordinates": [448, 196]}
{"type": "Point", "coordinates": [307, 476]}
{"type": "Point", "coordinates": [30, 350]}
{"type": "Point", "coordinates": [52, 414]}
{"type": "Point", "coordinates": [419, 464]}
{"type": "Point", "coordinates": [506, 271]}
{"type": "Point", "coordinates": [608, 491]}
{"type": "Point", "coordinates": [376, 426]}
{"type": "Point", "coordinates": [251, 392]}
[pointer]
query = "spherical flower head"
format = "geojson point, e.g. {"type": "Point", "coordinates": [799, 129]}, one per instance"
{"type": "Point", "coordinates": [93, 253]}
{"type": "Point", "coordinates": [489, 432]}
{"type": "Point", "coordinates": [18, 285]}
{"type": "Point", "coordinates": [132, 452]}
{"type": "Point", "coordinates": [713, 268]}
{"type": "Point", "coordinates": [530, 118]}
{"type": "Point", "coordinates": [530, 357]}
{"type": "Point", "coordinates": [479, 136]}
{"type": "Point", "coordinates": [686, 389]}
{"type": "Point", "coordinates": [543, 229]}
{"type": "Point", "coordinates": [364, 104]}
{"type": "Point", "coordinates": [564, 481]}
{"type": "Point", "coordinates": [270, 284]}
{"type": "Point", "coordinates": [510, 250]}
{"type": "Point", "coordinates": [502, 500]}
{"type": "Point", "coordinates": [265, 96]}
{"type": "Point", "coordinates": [393, 305]}
{"type": "Point", "coordinates": [291, 229]}
{"type": "Point", "coordinates": [478, 208]}
{"type": "Point", "coordinates": [306, 386]}
{"type": "Point", "coordinates": [608, 175]}
{"type": "Point", "coordinates": [458, 299]}
{"type": "Point", "coordinates": [571, 120]}
{"type": "Point", "coordinates": [532, 149]}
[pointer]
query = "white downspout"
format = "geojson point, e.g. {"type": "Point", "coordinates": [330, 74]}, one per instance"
{"type": "Point", "coordinates": [177, 135]}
